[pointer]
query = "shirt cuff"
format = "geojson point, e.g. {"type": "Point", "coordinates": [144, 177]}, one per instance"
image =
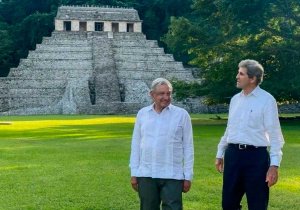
{"type": "Point", "coordinates": [134, 172]}
{"type": "Point", "coordinates": [220, 154]}
{"type": "Point", "coordinates": [275, 162]}
{"type": "Point", "coordinates": [188, 177]}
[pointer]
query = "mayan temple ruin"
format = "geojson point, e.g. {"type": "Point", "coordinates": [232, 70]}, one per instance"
{"type": "Point", "coordinates": [97, 61]}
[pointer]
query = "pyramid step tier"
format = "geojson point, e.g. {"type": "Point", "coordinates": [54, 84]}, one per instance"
{"type": "Point", "coordinates": [49, 40]}
{"type": "Point", "coordinates": [35, 92]}
{"type": "Point", "coordinates": [152, 74]}
{"type": "Point", "coordinates": [59, 55]}
{"type": "Point", "coordinates": [129, 35]}
{"type": "Point", "coordinates": [51, 73]}
{"type": "Point", "coordinates": [63, 48]}
{"type": "Point", "coordinates": [139, 50]}
{"type": "Point", "coordinates": [31, 102]}
{"type": "Point", "coordinates": [141, 57]}
{"type": "Point", "coordinates": [130, 43]}
{"type": "Point", "coordinates": [150, 64]}
{"type": "Point", "coordinates": [69, 35]}
{"type": "Point", "coordinates": [56, 64]}
{"type": "Point", "coordinates": [23, 83]}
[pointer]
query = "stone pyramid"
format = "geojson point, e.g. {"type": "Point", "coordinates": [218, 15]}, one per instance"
{"type": "Point", "coordinates": [87, 72]}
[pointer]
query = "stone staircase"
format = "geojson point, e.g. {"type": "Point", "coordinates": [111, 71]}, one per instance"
{"type": "Point", "coordinates": [88, 73]}
{"type": "Point", "coordinates": [105, 77]}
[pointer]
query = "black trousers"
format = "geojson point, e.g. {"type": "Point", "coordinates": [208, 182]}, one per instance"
{"type": "Point", "coordinates": [154, 193]}
{"type": "Point", "coordinates": [245, 172]}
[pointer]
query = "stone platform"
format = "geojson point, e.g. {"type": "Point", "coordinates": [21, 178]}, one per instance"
{"type": "Point", "coordinates": [87, 73]}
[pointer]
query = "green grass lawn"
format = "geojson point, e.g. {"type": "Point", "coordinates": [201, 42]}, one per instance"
{"type": "Point", "coordinates": [81, 162]}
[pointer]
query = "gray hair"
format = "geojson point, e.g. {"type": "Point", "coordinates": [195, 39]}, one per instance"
{"type": "Point", "coordinates": [254, 69]}
{"type": "Point", "coordinates": [161, 81]}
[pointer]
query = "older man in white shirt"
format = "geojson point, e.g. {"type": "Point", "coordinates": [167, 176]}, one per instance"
{"type": "Point", "coordinates": [253, 125]}
{"type": "Point", "coordinates": [162, 151]}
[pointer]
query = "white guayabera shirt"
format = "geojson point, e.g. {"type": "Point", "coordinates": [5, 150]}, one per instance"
{"type": "Point", "coordinates": [162, 144]}
{"type": "Point", "coordinates": [253, 120]}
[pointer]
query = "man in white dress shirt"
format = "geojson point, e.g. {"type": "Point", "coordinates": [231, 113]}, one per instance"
{"type": "Point", "coordinates": [253, 125]}
{"type": "Point", "coordinates": [162, 151]}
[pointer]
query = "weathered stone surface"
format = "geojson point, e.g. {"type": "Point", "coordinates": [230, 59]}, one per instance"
{"type": "Point", "coordinates": [289, 108]}
{"type": "Point", "coordinates": [97, 13]}
{"type": "Point", "coordinates": [87, 73]}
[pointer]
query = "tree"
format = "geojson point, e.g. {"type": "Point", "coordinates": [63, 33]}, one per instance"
{"type": "Point", "coordinates": [22, 25]}
{"type": "Point", "coordinates": [222, 33]}
{"type": "Point", "coordinates": [156, 14]}
{"type": "Point", "coordinates": [34, 28]}
{"type": "Point", "coordinates": [6, 45]}
{"type": "Point", "coordinates": [179, 38]}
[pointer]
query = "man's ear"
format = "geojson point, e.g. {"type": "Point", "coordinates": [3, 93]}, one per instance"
{"type": "Point", "coordinates": [253, 80]}
{"type": "Point", "coordinates": [151, 94]}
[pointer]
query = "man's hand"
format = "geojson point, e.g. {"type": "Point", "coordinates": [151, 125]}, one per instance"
{"type": "Point", "coordinates": [186, 186]}
{"type": "Point", "coordinates": [272, 176]}
{"type": "Point", "coordinates": [219, 164]}
{"type": "Point", "coordinates": [134, 183]}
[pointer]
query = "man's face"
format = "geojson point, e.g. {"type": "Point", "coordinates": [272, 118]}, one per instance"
{"type": "Point", "coordinates": [242, 79]}
{"type": "Point", "coordinates": [161, 96]}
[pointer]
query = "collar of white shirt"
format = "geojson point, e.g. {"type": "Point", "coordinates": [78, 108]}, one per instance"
{"type": "Point", "coordinates": [254, 92]}
{"type": "Point", "coordinates": [151, 108]}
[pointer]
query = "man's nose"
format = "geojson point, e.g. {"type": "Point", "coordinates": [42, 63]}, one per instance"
{"type": "Point", "coordinates": [166, 96]}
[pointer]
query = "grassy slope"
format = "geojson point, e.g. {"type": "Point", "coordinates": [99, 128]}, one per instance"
{"type": "Point", "coordinates": [81, 162]}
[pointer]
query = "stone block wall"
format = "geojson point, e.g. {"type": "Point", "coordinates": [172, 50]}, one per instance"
{"type": "Point", "coordinates": [289, 108]}
{"type": "Point", "coordinates": [90, 26]}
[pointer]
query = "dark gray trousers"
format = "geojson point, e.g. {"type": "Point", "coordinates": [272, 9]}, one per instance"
{"type": "Point", "coordinates": [154, 193]}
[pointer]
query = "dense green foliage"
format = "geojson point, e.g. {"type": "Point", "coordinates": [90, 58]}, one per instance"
{"type": "Point", "coordinates": [212, 35]}
{"type": "Point", "coordinates": [218, 34]}
{"type": "Point", "coordinates": [23, 23]}
{"type": "Point", "coordinates": [81, 162]}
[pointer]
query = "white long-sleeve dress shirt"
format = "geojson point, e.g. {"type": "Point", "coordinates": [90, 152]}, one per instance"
{"type": "Point", "coordinates": [253, 120]}
{"type": "Point", "coordinates": [162, 144]}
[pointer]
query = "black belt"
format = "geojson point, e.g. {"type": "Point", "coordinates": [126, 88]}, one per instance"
{"type": "Point", "coordinates": [245, 146]}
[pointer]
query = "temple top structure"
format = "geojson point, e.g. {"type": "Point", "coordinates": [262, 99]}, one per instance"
{"type": "Point", "coordinates": [92, 18]}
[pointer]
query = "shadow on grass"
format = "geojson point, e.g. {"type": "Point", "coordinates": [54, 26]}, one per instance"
{"type": "Point", "coordinates": [72, 132]}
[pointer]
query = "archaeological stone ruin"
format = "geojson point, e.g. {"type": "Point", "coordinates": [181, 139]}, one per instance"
{"type": "Point", "coordinates": [97, 61]}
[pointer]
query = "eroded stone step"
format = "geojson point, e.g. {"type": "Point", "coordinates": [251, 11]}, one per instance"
{"type": "Point", "coordinates": [59, 55]}
{"type": "Point", "coordinates": [130, 43]}
{"type": "Point", "coordinates": [62, 48]}
{"type": "Point", "coordinates": [129, 35]}
{"type": "Point", "coordinates": [69, 35]}
{"type": "Point", "coordinates": [51, 73]}
{"type": "Point", "coordinates": [25, 83]}
{"type": "Point", "coordinates": [139, 50]}
{"type": "Point", "coordinates": [145, 75]}
{"type": "Point", "coordinates": [31, 102]}
{"type": "Point", "coordinates": [56, 64]}
{"type": "Point", "coordinates": [35, 92]}
{"type": "Point", "coordinates": [141, 57]}
{"type": "Point", "coordinates": [150, 65]}
{"type": "Point", "coordinates": [50, 40]}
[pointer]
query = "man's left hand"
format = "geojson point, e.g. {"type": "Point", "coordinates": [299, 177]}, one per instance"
{"type": "Point", "coordinates": [272, 176]}
{"type": "Point", "coordinates": [186, 186]}
{"type": "Point", "coordinates": [134, 183]}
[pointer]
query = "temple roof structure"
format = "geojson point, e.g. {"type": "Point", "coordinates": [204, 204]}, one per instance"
{"type": "Point", "coordinates": [97, 13]}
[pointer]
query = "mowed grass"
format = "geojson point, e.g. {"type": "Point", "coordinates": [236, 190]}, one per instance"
{"type": "Point", "coordinates": [81, 162]}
